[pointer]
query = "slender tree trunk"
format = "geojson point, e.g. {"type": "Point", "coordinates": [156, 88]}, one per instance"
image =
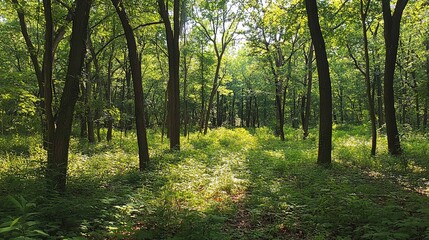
{"type": "Point", "coordinates": [232, 111]}
{"type": "Point", "coordinates": [325, 124]}
{"type": "Point", "coordinates": [203, 103]}
{"type": "Point", "coordinates": [295, 121]}
{"type": "Point", "coordinates": [53, 169]}
{"type": "Point", "coordinates": [58, 151]}
{"type": "Point", "coordinates": [256, 113]}
{"type": "Point", "coordinates": [213, 92]}
{"type": "Point", "coordinates": [364, 13]}
{"type": "Point", "coordinates": [109, 96]}
{"type": "Point", "coordinates": [88, 105]}
{"type": "Point", "coordinates": [391, 38]}
{"type": "Point", "coordinates": [377, 80]}
{"type": "Point", "coordinates": [416, 96]}
{"type": "Point", "coordinates": [218, 110]}
{"type": "Point", "coordinates": [279, 111]}
{"type": "Point", "coordinates": [185, 88]}
{"type": "Point", "coordinates": [306, 118]}
{"type": "Point", "coordinates": [83, 127]}
{"type": "Point", "coordinates": [426, 104]}
{"type": "Point", "coordinates": [137, 84]}
{"type": "Point", "coordinates": [249, 109]}
{"type": "Point", "coordinates": [173, 106]}
{"type": "Point", "coordinates": [242, 108]}
{"type": "Point", "coordinates": [82, 115]}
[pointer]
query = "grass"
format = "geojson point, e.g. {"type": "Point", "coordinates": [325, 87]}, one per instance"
{"type": "Point", "coordinates": [229, 184]}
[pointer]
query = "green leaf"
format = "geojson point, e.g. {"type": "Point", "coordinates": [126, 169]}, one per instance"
{"type": "Point", "coordinates": [16, 203]}
{"type": "Point", "coordinates": [42, 233]}
{"type": "Point", "coordinates": [7, 229]}
{"type": "Point", "coordinates": [15, 221]}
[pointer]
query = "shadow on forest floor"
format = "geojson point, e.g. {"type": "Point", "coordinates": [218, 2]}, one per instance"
{"type": "Point", "coordinates": [230, 184]}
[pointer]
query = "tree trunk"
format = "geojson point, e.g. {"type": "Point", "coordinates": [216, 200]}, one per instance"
{"type": "Point", "coordinates": [173, 104]}
{"type": "Point", "coordinates": [185, 88]}
{"type": "Point", "coordinates": [58, 150]}
{"type": "Point", "coordinates": [137, 84]}
{"type": "Point", "coordinates": [306, 118]}
{"type": "Point", "coordinates": [88, 105]}
{"type": "Point", "coordinates": [364, 13]}
{"type": "Point", "coordinates": [241, 112]}
{"type": "Point", "coordinates": [232, 111]}
{"type": "Point", "coordinates": [203, 102]}
{"type": "Point", "coordinates": [213, 92]}
{"type": "Point", "coordinates": [249, 109]}
{"type": "Point", "coordinates": [325, 125]}
{"type": "Point", "coordinates": [426, 105]}
{"type": "Point", "coordinates": [53, 172]}
{"type": "Point", "coordinates": [279, 111]}
{"type": "Point", "coordinates": [391, 38]}
{"type": "Point", "coordinates": [377, 80]}
{"type": "Point", "coordinates": [109, 96]}
{"type": "Point", "coordinates": [255, 113]}
{"type": "Point", "coordinates": [218, 110]}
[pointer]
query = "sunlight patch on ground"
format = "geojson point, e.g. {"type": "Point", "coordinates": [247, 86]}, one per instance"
{"type": "Point", "coordinates": [275, 154]}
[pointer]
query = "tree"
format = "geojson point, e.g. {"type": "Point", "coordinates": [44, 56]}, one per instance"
{"type": "Point", "coordinates": [306, 99]}
{"type": "Point", "coordinates": [218, 21]}
{"type": "Point", "coordinates": [391, 39]}
{"type": "Point", "coordinates": [52, 41]}
{"type": "Point", "coordinates": [173, 88]}
{"type": "Point", "coordinates": [274, 35]}
{"type": "Point", "coordinates": [363, 10]}
{"type": "Point", "coordinates": [59, 129]}
{"type": "Point", "coordinates": [325, 121]}
{"type": "Point", "coordinates": [137, 84]}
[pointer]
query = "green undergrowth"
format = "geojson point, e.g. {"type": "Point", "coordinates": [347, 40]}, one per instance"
{"type": "Point", "coordinates": [229, 184]}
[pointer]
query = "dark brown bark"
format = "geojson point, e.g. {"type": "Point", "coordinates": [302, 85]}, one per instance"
{"type": "Point", "coordinates": [109, 96]}
{"type": "Point", "coordinates": [307, 98]}
{"type": "Point", "coordinates": [391, 39]}
{"type": "Point", "coordinates": [173, 104]}
{"type": "Point", "coordinates": [279, 112]}
{"type": "Point", "coordinates": [249, 109]}
{"type": "Point", "coordinates": [255, 120]}
{"type": "Point", "coordinates": [185, 87]}
{"type": "Point", "coordinates": [218, 110]}
{"type": "Point", "coordinates": [378, 82]}
{"type": "Point", "coordinates": [426, 104]}
{"type": "Point", "coordinates": [203, 98]}
{"type": "Point", "coordinates": [53, 173]}
{"type": "Point", "coordinates": [215, 86]}
{"type": "Point", "coordinates": [137, 85]}
{"type": "Point", "coordinates": [294, 115]}
{"type": "Point", "coordinates": [88, 105]}
{"type": "Point", "coordinates": [60, 131]}
{"type": "Point", "coordinates": [325, 123]}
{"type": "Point", "coordinates": [364, 13]}
{"type": "Point", "coordinates": [232, 111]}
{"type": "Point", "coordinates": [83, 127]}
{"type": "Point", "coordinates": [241, 112]}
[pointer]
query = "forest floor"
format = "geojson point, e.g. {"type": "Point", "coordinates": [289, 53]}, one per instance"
{"type": "Point", "coordinates": [229, 184]}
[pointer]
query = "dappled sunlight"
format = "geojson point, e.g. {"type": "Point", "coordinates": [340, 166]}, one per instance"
{"type": "Point", "coordinates": [234, 184]}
